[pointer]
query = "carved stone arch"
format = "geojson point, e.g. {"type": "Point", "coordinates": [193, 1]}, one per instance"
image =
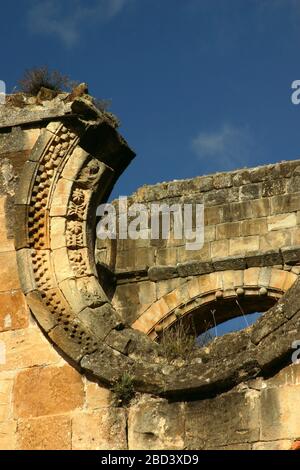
{"type": "Point", "coordinates": [61, 184]}
{"type": "Point", "coordinates": [256, 288]}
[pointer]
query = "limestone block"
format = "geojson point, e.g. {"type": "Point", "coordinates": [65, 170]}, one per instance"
{"type": "Point", "coordinates": [156, 425]}
{"type": "Point", "coordinates": [165, 257]}
{"type": "Point", "coordinates": [39, 309]}
{"type": "Point", "coordinates": [193, 290]}
{"type": "Point", "coordinates": [74, 164]}
{"type": "Point", "coordinates": [254, 227]}
{"type": "Point", "coordinates": [159, 273]}
{"type": "Point", "coordinates": [173, 298]}
{"type": "Point", "coordinates": [62, 267]}
{"type": "Point", "coordinates": [291, 254]}
{"type": "Point", "coordinates": [237, 211]}
{"type": "Point", "coordinates": [132, 343]}
{"type": "Point", "coordinates": [278, 279]}
{"type": "Point", "coordinates": [232, 279]}
{"type": "Point", "coordinates": [68, 345]}
{"type": "Point", "coordinates": [100, 320]}
{"type": "Point", "coordinates": [220, 196]}
{"type": "Point", "coordinates": [124, 260]}
{"type": "Point", "coordinates": [6, 239]}
{"type": "Point", "coordinates": [250, 191]}
{"type": "Point", "coordinates": [102, 430]}
{"type": "Point", "coordinates": [237, 416]}
{"type": "Point", "coordinates": [27, 348]}
{"type": "Point", "coordinates": [251, 277]}
{"type": "Point", "coordinates": [151, 316]}
{"type": "Point", "coordinates": [82, 293]}
{"type": "Point", "coordinates": [164, 287]}
{"type": "Point", "coordinates": [8, 435]}
{"type": "Point", "coordinates": [285, 203]}
{"type": "Point", "coordinates": [194, 268]}
{"type": "Point", "coordinates": [53, 126]}
{"type": "Point", "coordinates": [228, 230]}
{"type": "Point", "coordinates": [205, 283]}
{"type": "Point", "coordinates": [241, 177]}
{"type": "Point", "coordinates": [243, 245]}
{"type": "Point", "coordinates": [146, 292]}
{"type": "Point", "coordinates": [290, 281]}
{"type": "Point", "coordinates": [23, 192]}
{"type": "Point", "coordinates": [108, 364]}
{"type": "Point", "coordinates": [213, 215]}
{"type": "Point", "coordinates": [209, 233]}
{"type": "Point", "coordinates": [222, 180]}
{"type": "Point", "coordinates": [41, 143]}
{"type": "Point", "coordinates": [204, 183]}
{"type": "Point", "coordinates": [216, 281]}
{"type": "Point", "coordinates": [274, 187]}
{"type": "Point", "coordinates": [264, 276]}
{"type": "Point", "coordinates": [9, 272]}
{"type": "Point", "coordinates": [6, 387]}
{"type": "Point", "coordinates": [289, 375]}
{"type": "Point", "coordinates": [294, 183]}
{"type": "Point", "coordinates": [260, 173]}
{"type": "Point", "coordinates": [275, 338]}
{"type": "Point", "coordinates": [232, 262]}
{"type": "Point", "coordinates": [282, 221]}
{"type": "Point", "coordinates": [14, 313]}
{"type": "Point", "coordinates": [144, 257]}
{"type": "Point", "coordinates": [43, 391]}
{"type": "Point", "coordinates": [97, 397]}
{"type": "Point", "coordinates": [18, 140]}
{"type": "Point", "coordinates": [220, 249]}
{"type": "Point", "coordinates": [267, 258]}
{"type": "Point", "coordinates": [45, 433]}
{"type": "Point", "coordinates": [57, 232]}
{"type": "Point", "coordinates": [295, 232]}
{"type": "Point", "coordinates": [280, 416]}
{"type": "Point", "coordinates": [25, 270]}
{"type": "Point", "coordinates": [260, 208]}
{"type": "Point", "coordinates": [21, 236]}
{"type": "Point", "coordinates": [61, 196]}
{"type": "Point", "coordinates": [275, 239]}
{"type": "Point", "coordinates": [203, 254]}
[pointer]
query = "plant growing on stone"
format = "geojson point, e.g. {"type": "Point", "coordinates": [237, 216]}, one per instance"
{"type": "Point", "coordinates": [123, 390]}
{"type": "Point", "coordinates": [206, 337]}
{"type": "Point", "coordinates": [102, 105]}
{"type": "Point", "coordinates": [41, 77]}
{"type": "Point", "coordinates": [179, 341]}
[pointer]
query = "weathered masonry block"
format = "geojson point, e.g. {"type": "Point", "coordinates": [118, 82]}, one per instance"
{"type": "Point", "coordinates": [77, 314]}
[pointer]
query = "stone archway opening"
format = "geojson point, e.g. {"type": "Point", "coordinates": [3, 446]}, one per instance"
{"type": "Point", "coordinates": [68, 172]}
{"type": "Point", "coordinates": [232, 325]}
{"type": "Point", "coordinates": [219, 317]}
{"type": "Point", "coordinates": [218, 312]}
{"type": "Point", "coordinates": [210, 300]}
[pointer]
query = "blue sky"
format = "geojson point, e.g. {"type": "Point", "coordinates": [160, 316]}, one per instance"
{"type": "Point", "coordinates": [199, 85]}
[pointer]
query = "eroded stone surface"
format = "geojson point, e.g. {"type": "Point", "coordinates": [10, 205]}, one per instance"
{"type": "Point", "coordinates": [251, 248]}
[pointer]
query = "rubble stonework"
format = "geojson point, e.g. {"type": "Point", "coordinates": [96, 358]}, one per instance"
{"type": "Point", "coordinates": [102, 310]}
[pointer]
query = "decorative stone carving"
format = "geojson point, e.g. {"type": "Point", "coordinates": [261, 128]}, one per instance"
{"type": "Point", "coordinates": [74, 234]}
{"type": "Point", "coordinates": [69, 303]}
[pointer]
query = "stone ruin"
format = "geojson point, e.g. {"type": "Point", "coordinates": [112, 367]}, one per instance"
{"type": "Point", "coordinates": [77, 313]}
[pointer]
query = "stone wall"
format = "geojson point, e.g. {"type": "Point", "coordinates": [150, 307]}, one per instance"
{"type": "Point", "coordinates": [48, 402]}
{"type": "Point", "coordinates": [251, 235]}
{"type": "Point", "coordinates": [45, 403]}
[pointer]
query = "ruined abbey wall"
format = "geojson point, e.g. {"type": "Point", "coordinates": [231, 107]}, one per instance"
{"type": "Point", "coordinates": [49, 401]}
{"type": "Point", "coordinates": [252, 234]}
